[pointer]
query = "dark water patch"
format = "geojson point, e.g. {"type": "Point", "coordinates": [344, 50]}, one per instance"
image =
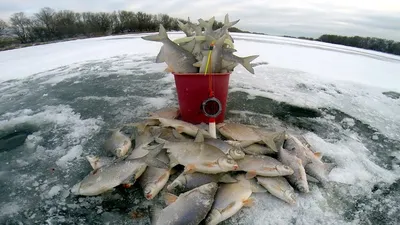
{"type": "Point", "coordinates": [392, 94]}
{"type": "Point", "coordinates": [14, 137]}
{"type": "Point", "coordinates": [381, 146]}
{"type": "Point", "coordinates": [258, 104]}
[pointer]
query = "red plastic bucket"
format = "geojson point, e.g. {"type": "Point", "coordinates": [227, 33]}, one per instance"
{"type": "Point", "coordinates": [192, 90]}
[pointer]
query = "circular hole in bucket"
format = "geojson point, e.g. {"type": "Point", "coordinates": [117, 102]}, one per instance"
{"type": "Point", "coordinates": [212, 107]}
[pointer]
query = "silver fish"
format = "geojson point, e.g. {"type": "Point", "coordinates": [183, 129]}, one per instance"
{"type": "Point", "coordinates": [278, 187]}
{"type": "Point", "coordinates": [183, 127]}
{"type": "Point", "coordinates": [230, 198]}
{"type": "Point", "coordinates": [190, 208]}
{"type": "Point", "coordinates": [263, 166]}
{"type": "Point", "coordinates": [239, 132]}
{"type": "Point", "coordinates": [185, 182]}
{"type": "Point", "coordinates": [154, 178]}
{"type": "Point", "coordinates": [299, 178]}
{"type": "Point", "coordinates": [198, 156]}
{"type": "Point", "coordinates": [233, 151]}
{"type": "Point", "coordinates": [117, 143]}
{"type": "Point", "coordinates": [178, 59]}
{"type": "Point", "coordinates": [311, 161]}
{"type": "Point", "coordinates": [107, 177]}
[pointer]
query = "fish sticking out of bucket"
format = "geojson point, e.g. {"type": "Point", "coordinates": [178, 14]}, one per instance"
{"type": "Point", "coordinates": [190, 54]}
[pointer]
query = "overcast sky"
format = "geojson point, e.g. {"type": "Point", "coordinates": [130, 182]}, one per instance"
{"type": "Point", "coordinates": [379, 18]}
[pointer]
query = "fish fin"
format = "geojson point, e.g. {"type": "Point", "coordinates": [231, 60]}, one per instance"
{"type": "Point", "coordinates": [151, 160]}
{"type": "Point", "coordinates": [318, 155]}
{"type": "Point", "coordinates": [190, 168]}
{"type": "Point", "coordinates": [160, 140]}
{"type": "Point", "coordinates": [227, 178]}
{"type": "Point", "coordinates": [197, 64]}
{"type": "Point", "coordinates": [226, 19]}
{"type": "Point", "coordinates": [189, 46]}
{"type": "Point", "coordinates": [312, 179]}
{"type": "Point", "coordinates": [93, 161]}
{"type": "Point", "coordinates": [246, 63]}
{"type": "Point", "coordinates": [249, 202]}
{"type": "Point", "coordinates": [279, 139]}
{"type": "Point", "coordinates": [162, 35]}
{"type": "Point", "coordinates": [199, 137]}
{"type": "Point", "coordinates": [256, 187]}
{"type": "Point", "coordinates": [250, 174]}
{"type": "Point", "coordinates": [231, 24]}
{"type": "Point", "coordinates": [269, 142]}
{"type": "Point", "coordinates": [170, 198]}
{"type": "Point", "coordinates": [202, 23]}
{"type": "Point", "coordinates": [180, 129]}
{"type": "Point", "coordinates": [177, 135]}
{"type": "Point", "coordinates": [329, 167]}
{"type": "Point", "coordinates": [160, 57]}
{"type": "Point", "coordinates": [173, 161]}
{"type": "Point", "coordinates": [95, 171]}
{"type": "Point", "coordinates": [181, 25]}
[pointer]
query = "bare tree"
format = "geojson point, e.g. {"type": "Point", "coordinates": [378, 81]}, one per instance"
{"type": "Point", "coordinates": [19, 25]}
{"type": "Point", "coordinates": [3, 26]}
{"type": "Point", "coordinates": [45, 17]}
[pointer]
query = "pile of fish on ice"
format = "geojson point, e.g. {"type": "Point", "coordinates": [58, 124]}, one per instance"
{"type": "Point", "coordinates": [190, 55]}
{"type": "Point", "coordinates": [220, 174]}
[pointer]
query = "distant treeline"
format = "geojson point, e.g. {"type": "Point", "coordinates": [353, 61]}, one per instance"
{"type": "Point", "coordinates": [49, 25]}
{"type": "Point", "coordinates": [371, 43]}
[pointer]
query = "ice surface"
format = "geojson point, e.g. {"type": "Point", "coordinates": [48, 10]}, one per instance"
{"type": "Point", "coordinates": [54, 191]}
{"type": "Point", "coordinates": [68, 99]}
{"type": "Point", "coordinates": [72, 154]}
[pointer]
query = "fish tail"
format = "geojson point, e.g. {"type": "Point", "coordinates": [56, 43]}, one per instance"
{"type": "Point", "coordinates": [231, 24]}
{"type": "Point", "coordinates": [151, 160]}
{"type": "Point", "coordinates": [226, 21]}
{"type": "Point", "coordinates": [329, 167]}
{"type": "Point", "coordinates": [246, 63]}
{"type": "Point", "coordinates": [161, 36]}
{"type": "Point", "coordinates": [181, 25]}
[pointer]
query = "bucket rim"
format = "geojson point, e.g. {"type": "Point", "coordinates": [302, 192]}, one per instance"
{"type": "Point", "coordinates": [196, 74]}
